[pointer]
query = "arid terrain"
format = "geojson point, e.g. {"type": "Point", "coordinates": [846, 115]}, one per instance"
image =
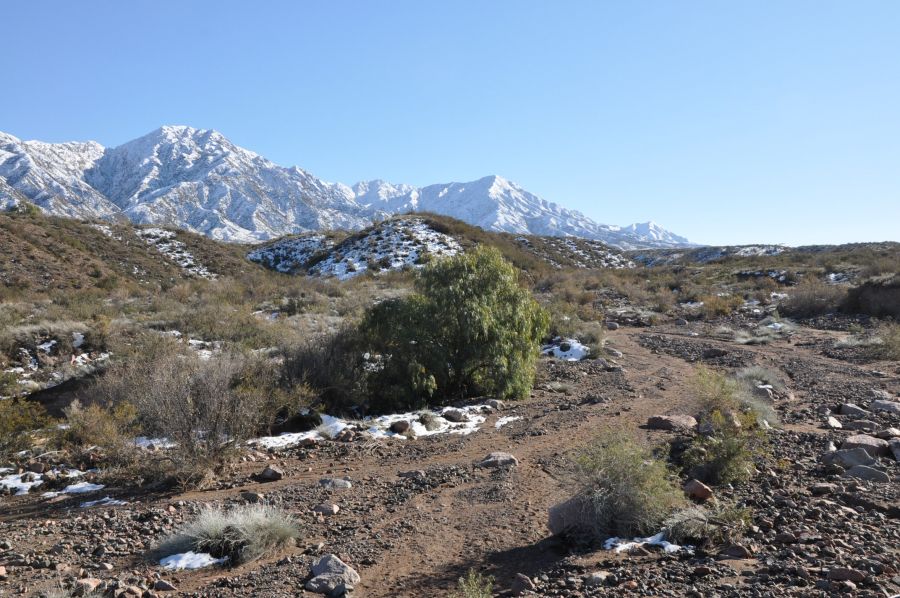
{"type": "Point", "coordinates": [419, 513]}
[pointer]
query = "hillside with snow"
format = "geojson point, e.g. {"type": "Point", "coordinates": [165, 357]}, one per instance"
{"type": "Point", "coordinates": [200, 181]}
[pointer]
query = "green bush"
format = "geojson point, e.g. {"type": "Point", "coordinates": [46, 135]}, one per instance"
{"type": "Point", "coordinates": [629, 491]}
{"type": "Point", "coordinates": [470, 330]}
{"type": "Point", "coordinates": [474, 585]}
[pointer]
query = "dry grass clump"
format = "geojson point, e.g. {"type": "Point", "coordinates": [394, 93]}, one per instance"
{"type": "Point", "coordinates": [890, 342]}
{"type": "Point", "coordinates": [813, 297]}
{"type": "Point", "coordinates": [719, 305]}
{"type": "Point", "coordinates": [629, 492]}
{"type": "Point", "coordinates": [242, 534]}
{"type": "Point", "coordinates": [711, 525]}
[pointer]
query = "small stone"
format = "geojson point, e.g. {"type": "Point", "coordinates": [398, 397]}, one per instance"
{"type": "Point", "coordinates": [736, 551]}
{"type": "Point", "coordinates": [681, 322]}
{"type": "Point", "coordinates": [416, 474]}
{"type": "Point", "coordinates": [851, 410]}
{"type": "Point", "coordinates": [597, 578]}
{"type": "Point", "coordinates": [846, 574]}
{"type": "Point", "coordinates": [612, 325]}
{"type": "Point", "coordinates": [630, 585]}
{"type": "Point", "coordinates": [495, 404]}
{"type": "Point", "coordinates": [271, 473]}
{"type": "Point", "coordinates": [327, 508]}
{"type": "Point", "coordinates": [712, 353]}
{"type": "Point", "coordinates": [833, 423]}
{"type": "Point", "coordinates": [87, 585]}
{"type": "Point", "coordinates": [671, 422]}
{"type": "Point", "coordinates": [329, 573]}
{"type": "Point", "coordinates": [697, 490]}
{"type": "Point", "coordinates": [253, 497]}
{"type": "Point", "coordinates": [888, 433]}
{"type": "Point", "coordinates": [521, 583]}
{"type": "Point", "coordinates": [455, 416]}
{"type": "Point", "coordinates": [822, 488]}
{"type": "Point", "coordinates": [847, 458]}
{"type": "Point", "coordinates": [873, 446]}
{"type": "Point", "coordinates": [785, 538]}
{"type": "Point", "coordinates": [888, 406]}
{"type": "Point", "coordinates": [702, 571]}
{"type": "Point", "coordinates": [164, 586]}
{"type": "Point", "coordinates": [399, 427]}
{"type": "Point", "coordinates": [870, 474]}
{"type": "Point", "coordinates": [498, 459]}
{"type": "Point", "coordinates": [335, 483]}
{"type": "Point", "coordinates": [3, 573]}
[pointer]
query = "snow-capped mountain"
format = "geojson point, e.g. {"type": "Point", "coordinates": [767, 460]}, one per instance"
{"type": "Point", "coordinates": [198, 180]}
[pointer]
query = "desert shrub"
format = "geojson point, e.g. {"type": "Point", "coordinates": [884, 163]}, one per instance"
{"type": "Point", "coordinates": [719, 305]}
{"type": "Point", "coordinates": [733, 425]}
{"type": "Point", "coordinates": [204, 406]}
{"type": "Point", "coordinates": [474, 585]}
{"type": "Point", "coordinates": [111, 428]}
{"type": "Point", "coordinates": [242, 534]}
{"type": "Point", "coordinates": [9, 385]}
{"type": "Point", "coordinates": [19, 419]}
{"type": "Point", "coordinates": [728, 449]}
{"type": "Point", "coordinates": [628, 491]}
{"type": "Point", "coordinates": [813, 297]}
{"type": "Point", "coordinates": [890, 342]}
{"type": "Point", "coordinates": [716, 524]}
{"type": "Point", "coordinates": [331, 366]}
{"type": "Point", "coordinates": [469, 330]}
{"type": "Point", "coordinates": [716, 392]}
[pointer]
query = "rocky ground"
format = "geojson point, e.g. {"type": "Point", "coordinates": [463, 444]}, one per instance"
{"type": "Point", "coordinates": [420, 513]}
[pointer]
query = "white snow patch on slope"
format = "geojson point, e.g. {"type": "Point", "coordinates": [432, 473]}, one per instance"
{"type": "Point", "coordinates": [165, 242]}
{"type": "Point", "coordinates": [393, 245]}
{"type": "Point", "coordinates": [506, 420]}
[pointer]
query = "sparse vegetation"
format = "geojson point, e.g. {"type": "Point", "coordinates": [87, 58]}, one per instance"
{"type": "Point", "coordinates": [242, 534]}
{"type": "Point", "coordinates": [629, 491]}
{"type": "Point", "coordinates": [712, 525]}
{"type": "Point", "coordinates": [19, 419]}
{"type": "Point", "coordinates": [474, 585]}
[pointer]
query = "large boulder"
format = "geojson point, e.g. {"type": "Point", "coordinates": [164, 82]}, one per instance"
{"type": "Point", "coordinates": [870, 474]}
{"type": "Point", "coordinates": [851, 410]}
{"type": "Point", "coordinates": [873, 446]}
{"type": "Point", "coordinates": [329, 573]}
{"type": "Point", "coordinates": [570, 516]}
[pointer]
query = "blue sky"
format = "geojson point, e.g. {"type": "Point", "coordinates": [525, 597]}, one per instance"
{"type": "Point", "coordinates": [727, 122]}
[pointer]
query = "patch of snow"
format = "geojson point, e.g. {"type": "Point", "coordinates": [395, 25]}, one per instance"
{"type": "Point", "coordinates": [159, 443]}
{"type": "Point", "coordinates": [47, 347]}
{"type": "Point", "coordinates": [567, 349]}
{"type": "Point", "coordinates": [77, 340]}
{"type": "Point", "coordinates": [379, 427]}
{"type": "Point", "coordinates": [190, 560]}
{"type": "Point", "coordinates": [15, 482]}
{"type": "Point", "coordinates": [506, 420]}
{"type": "Point", "coordinates": [165, 242]}
{"type": "Point", "coordinates": [621, 545]}
{"type": "Point", "coordinates": [77, 488]}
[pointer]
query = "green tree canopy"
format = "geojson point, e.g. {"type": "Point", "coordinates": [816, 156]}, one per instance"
{"type": "Point", "coordinates": [470, 329]}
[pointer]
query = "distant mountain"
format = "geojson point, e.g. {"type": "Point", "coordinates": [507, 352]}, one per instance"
{"type": "Point", "coordinates": [198, 180]}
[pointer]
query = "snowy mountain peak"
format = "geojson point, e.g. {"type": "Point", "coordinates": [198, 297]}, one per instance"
{"type": "Point", "coordinates": [199, 180]}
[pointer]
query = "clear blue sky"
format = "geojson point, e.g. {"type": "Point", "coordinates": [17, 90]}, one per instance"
{"type": "Point", "coordinates": [727, 122]}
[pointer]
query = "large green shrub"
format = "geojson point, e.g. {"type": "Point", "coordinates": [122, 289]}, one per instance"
{"type": "Point", "coordinates": [470, 329]}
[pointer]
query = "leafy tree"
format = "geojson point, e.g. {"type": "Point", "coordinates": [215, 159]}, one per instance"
{"type": "Point", "coordinates": [470, 329]}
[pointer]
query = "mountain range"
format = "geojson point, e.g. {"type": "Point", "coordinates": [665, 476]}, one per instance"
{"type": "Point", "coordinates": [198, 180]}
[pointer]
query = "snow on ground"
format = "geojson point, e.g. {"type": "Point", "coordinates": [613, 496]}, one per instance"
{"type": "Point", "coordinates": [190, 560]}
{"type": "Point", "coordinates": [506, 420]}
{"type": "Point", "coordinates": [106, 501]}
{"type": "Point", "coordinates": [290, 255]}
{"type": "Point", "coordinates": [379, 427]}
{"type": "Point", "coordinates": [165, 242]}
{"type": "Point", "coordinates": [77, 488]}
{"type": "Point", "coordinates": [621, 545]}
{"type": "Point", "coordinates": [393, 245]}
{"type": "Point", "coordinates": [151, 443]}
{"type": "Point", "coordinates": [568, 349]}
{"type": "Point", "coordinates": [22, 483]}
